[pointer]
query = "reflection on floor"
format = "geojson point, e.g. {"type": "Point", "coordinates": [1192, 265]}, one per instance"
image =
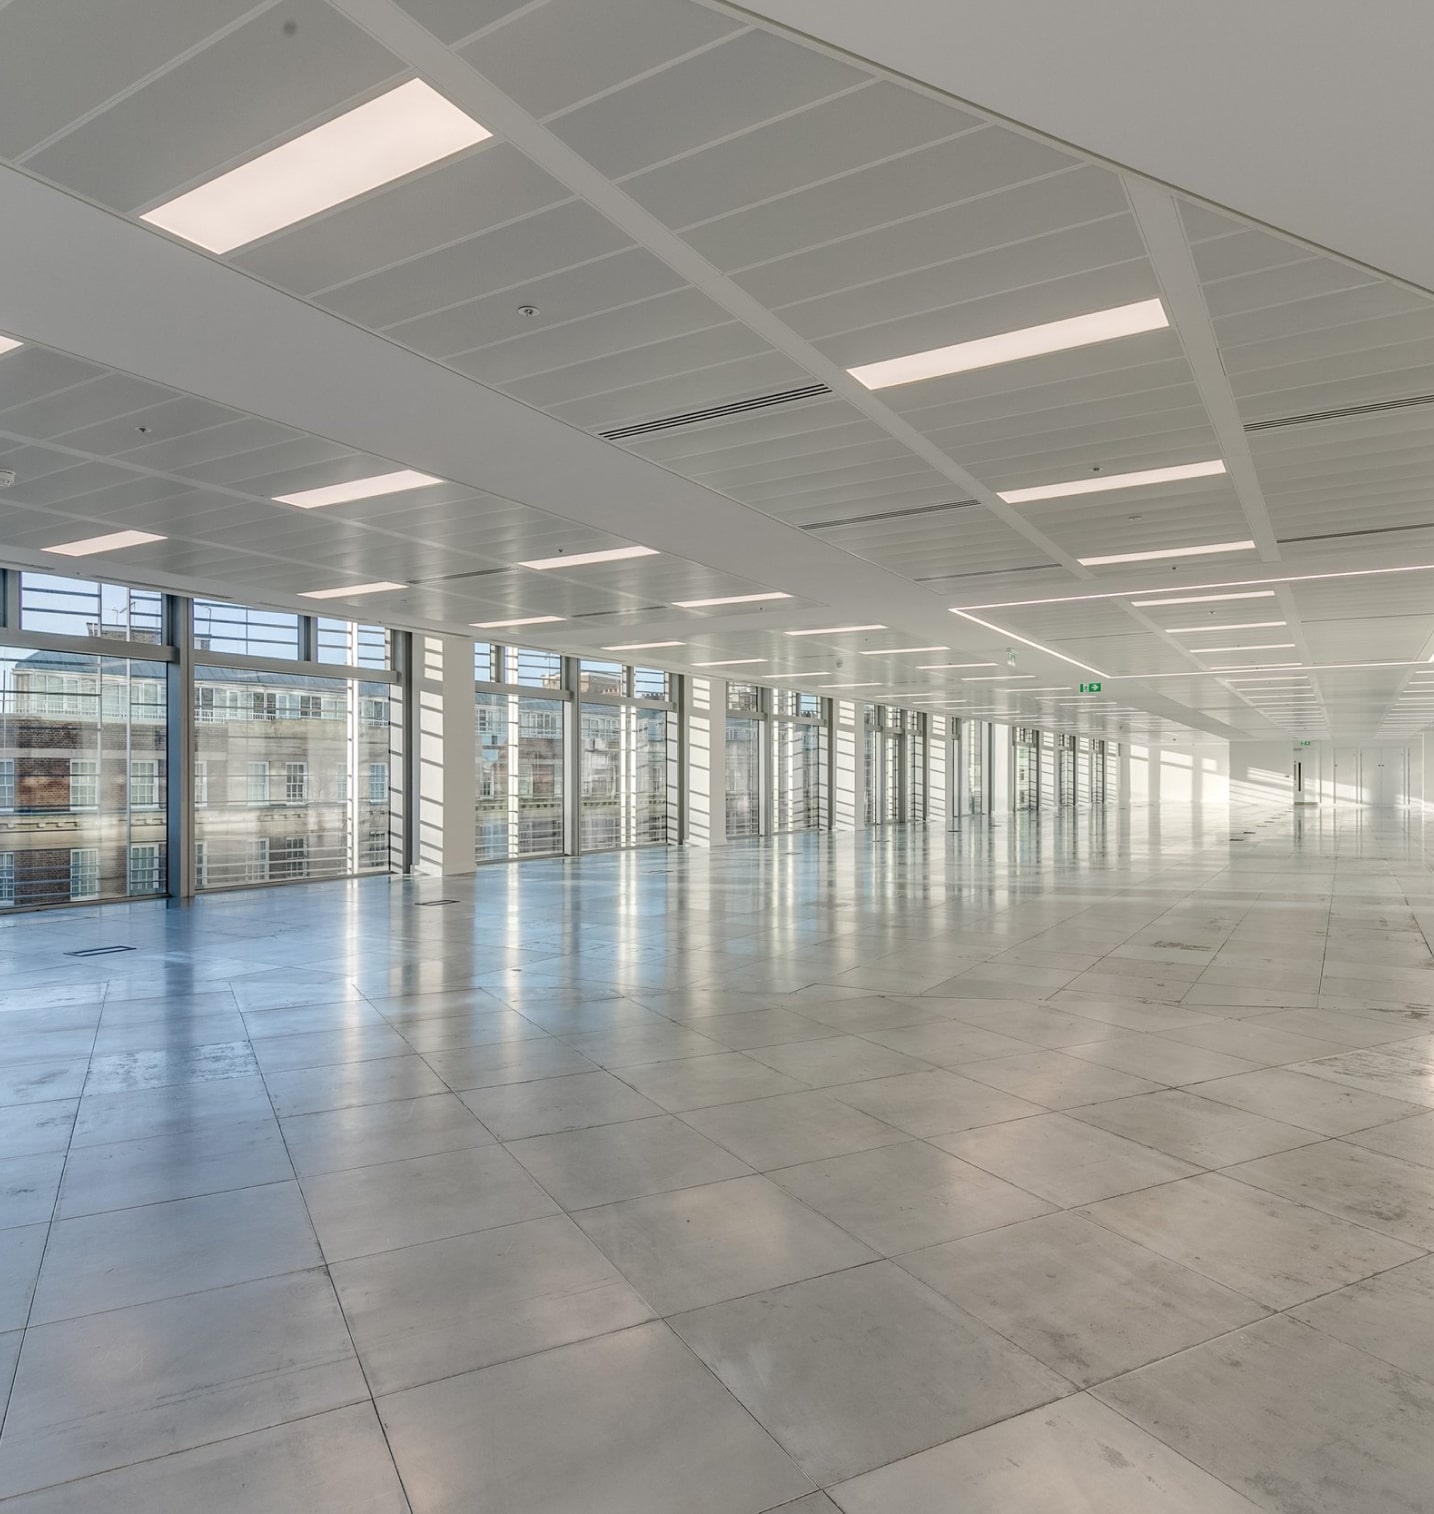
{"type": "Point", "coordinates": [1081, 1163]}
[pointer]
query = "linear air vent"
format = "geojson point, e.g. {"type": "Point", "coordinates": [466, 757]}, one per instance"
{"type": "Point", "coordinates": [1290, 541]}
{"type": "Point", "coordinates": [862, 520]}
{"type": "Point", "coordinates": [714, 412]}
{"type": "Point", "coordinates": [448, 578]}
{"type": "Point", "coordinates": [1338, 415]}
{"type": "Point", "coordinates": [613, 614]}
{"type": "Point", "coordinates": [99, 951]}
{"type": "Point", "coordinates": [946, 578]}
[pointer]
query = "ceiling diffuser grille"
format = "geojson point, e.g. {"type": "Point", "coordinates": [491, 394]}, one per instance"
{"type": "Point", "coordinates": [862, 520]}
{"type": "Point", "coordinates": [714, 412]}
{"type": "Point", "coordinates": [1373, 408]}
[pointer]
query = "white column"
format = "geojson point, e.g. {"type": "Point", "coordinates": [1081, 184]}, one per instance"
{"type": "Point", "coordinates": [443, 693]}
{"type": "Point", "coordinates": [706, 715]}
{"type": "Point", "coordinates": [1001, 760]}
{"type": "Point", "coordinates": [848, 776]}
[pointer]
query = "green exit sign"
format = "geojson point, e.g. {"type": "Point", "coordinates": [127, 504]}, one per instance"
{"type": "Point", "coordinates": [1090, 688]}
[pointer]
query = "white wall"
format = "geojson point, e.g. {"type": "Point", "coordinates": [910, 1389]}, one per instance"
{"type": "Point", "coordinates": [1175, 774]}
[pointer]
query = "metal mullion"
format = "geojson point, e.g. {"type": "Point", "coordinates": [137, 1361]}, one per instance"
{"type": "Point", "coordinates": [181, 740]}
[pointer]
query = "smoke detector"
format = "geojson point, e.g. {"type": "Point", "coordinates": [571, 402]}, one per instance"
{"type": "Point", "coordinates": [7, 477]}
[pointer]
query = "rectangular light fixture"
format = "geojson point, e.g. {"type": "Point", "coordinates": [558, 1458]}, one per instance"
{"type": "Point", "coordinates": [111, 543]}
{"type": "Point", "coordinates": [375, 143]}
{"type": "Point", "coordinates": [1213, 547]}
{"type": "Point", "coordinates": [527, 620]}
{"type": "Point", "coordinates": [1107, 481]}
{"type": "Point", "coordinates": [1263, 646]}
{"type": "Point", "coordinates": [351, 591]}
{"type": "Point", "coordinates": [644, 646]}
{"type": "Point", "coordinates": [996, 677]}
{"type": "Point", "coordinates": [1009, 346]}
{"type": "Point", "coordinates": [942, 667]}
{"type": "Point", "coordinates": [899, 651]}
{"type": "Point", "coordinates": [853, 685]}
{"type": "Point", "coordinates": [1238, 668]}
{"type": "Point", "coordinates": [1200, 599]}
{"type": "Point", "coordinates": [1238, 625]}
{"type": "Point", "coordinates": [1025, 641]}
{"type": "Point", "coordinates": [8, 344]}
{"type": "Point", "coordinates": [834, 630]}
{"type": "Point", "coordinates": [730, 599]}
{"type": "Point", "coordinates": [734, 662]}
{"type": "Point", "coordinates": [582, 559]}
{"type": "Point", "coordinates": [358, 488]}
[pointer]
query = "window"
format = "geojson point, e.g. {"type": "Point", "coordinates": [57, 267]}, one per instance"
{"type": "Point", "coordinates": [519, 779]}
{"type": "Point", "coordinates": [144, 868]}
{"type": "Point", "coordinates": [359, 646]}
{"type": "Point", "coordinates": [256, 864]}
{"type": "Point", "coordinates": [7, 878]}
{"type": "Point", "coordinates": [201, 864]}
{"type": "Point", "coordinates": [651, 683]}
{"type": "Point", "coordinates": [296, 782]}
{"type": "Point", "coordinates": [85, 873]}
{"type": "Point", "coordinates": [144, 785]}
{"type": "Point", "coordinates": [84, 784]}
{"type": "Point", "coordinates": [201, 783]}
{"type": "Point", "coordinates": [373, 711]}
{"type": "Point", "coordinates": [528, 666]}
{"type": "Point", "coordinates": [7, 783]}
{"type": "Point", "coordinates": [341, 783]}
{"type": "Point", "coordinates": [602, 677]}
{"type": "Point", "coordinates": [77, 607]}
{"type": "Point", "coordinates": [743, 696]}
{"type": "Point", "coordinates": [377, 850]}
{"type": "Point", "coordinates": [378, 783]}
{"type": "Point", "coordinates": [237, 628]}
{"type": "Point", "coordinates": [289, 857]}
{"type": "Point", "coordinates": [258, 783]}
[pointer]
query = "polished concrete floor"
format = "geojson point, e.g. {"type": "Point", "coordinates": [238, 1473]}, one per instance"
{"type": "Point", "coordinates": [1072, 1165]}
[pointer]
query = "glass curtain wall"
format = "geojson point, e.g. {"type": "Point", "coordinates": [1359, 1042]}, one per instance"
{"type": "Point", "coordinates": [1026, 768]}
{"type": "Point", "coordinates": [799, 761]}
{"type": "Point", "coordinates": [1049, 788]}
{"type": "Point", "coordinates": [745, 721]}
{"type": "Point", "coordinates": [1066, 758]}
{"type": "Point", "coordinates": [628, 723]}
{"type": "Point", "coordinates": [916, 795]}
{"type": "Point", "coordinates": [975, 738]}
{"type": "Point", "coordinates": [519, 730]}
{"type": "Point", "coordinates": [83, 772]}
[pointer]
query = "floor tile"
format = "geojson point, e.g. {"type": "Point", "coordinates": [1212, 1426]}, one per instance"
{"type": "Point", "coordinates": [153, 1169]}
{"type": "Point", "coordinates": [1393, 1197]}
{"type": "Point", "coordinates": [309, 1019]}
{"type": "Point", "coordinates": [1390, 1316]}
{"type": "Point", "coordinates": [697, 1246]}
{"type": "Point", "coordinates": [119, 1032]}
{"type": "Point", "coordinates": [133, 1256]}
{"type": "Point", "coordinates": [1056, 1080]}
{"type": "Point", "coordinates": [1331, 1025]}
{"type": "Point", "coordinates": [1203, 1131]}
{"type": "Point", "coordinates": [1079, 1298]}
{"type": "Point", "coordinates": [1316, 1104]}
{"type": "Point", "coordinates": [1075, 1457]}
{"type": "Point", "coordinates": [948, 1043]}
{"type": "Point", "coordinates": [42, 1082]}
{"type": "Point", "coordinates": [322, 1048]}
{"type": "Point", "coordinates": [121, 1072]}
{"type": "Point", "coordinates": [20, 1252]}
{"type": "Point", "coordinates": [1253, 1042]}
{"type": "Point", "coordinates": [1161, 1059]}
{"type": "Point", "coordinates": [933, 1103]}
{"type": "Point", "coordinates": [628, 1423]}
{"type": "Point", "coordinates": [447, 1032]}
{"type": "Point", "coordinates": [466, 1067]}
{"type": "Point", "coordinates": [582, 1169]}
{"type": "Point", "coordinates": [899, 1198]}
{"type": "Point", "coordinates": [28, 1186]}
{"type": "Point", "coordinates": [104, 1118]}
{"type": "Point", "coordinates": [332, 1463]}
{"type": "Point", "coordinates": [851, 1371]}
{"type": "Point", "coordinates": [515, 1110]}
{"type": "Point", "coordinates": [790, 1128]}
{"type": "Point", "coordinates": [1035, 1024]}
{"type": "Point", "coordinates": [870, 1016]}
{"type": "Point", "coordinates": [1403, 1071]}
{"type": "Point", "coordinates": [839, 1059]}
{"type": "Point", "coordinates": [1266, 1247]}
{"type": "Point", "coordinates": [129, 1384]}
{"type": "Point", "coordinates": [698, 1082]}
{"type": "Point", "coordinates": [1291, 1417]}
{"type": "Point", "coordinates": [1063, 1160]}
{"type": "Point", "coordinates": [314, 1088]}
{"type": "Point", "coordinates": [451, 1306]}
{"type": "Point", "coordinates": [647, 1044]}
{"type": "Point", "coordinates": [367, 1209]}
{"type": "Point", "coordinates": [759, 1027]}
{"type": "Point", "coordinates": [362, 1135]}
{"type": "Point", "coordinates": [1411, 1140]}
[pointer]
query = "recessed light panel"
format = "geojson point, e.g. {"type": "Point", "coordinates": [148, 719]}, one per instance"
{"type": "Point", "coordinates": [730, 599]}
{"type": "Point", "coordinates": [527, 620]}
{"type": "Point", "coordinates": [734, 662]}
{"type": "Point", "coordinates": [114, 542]}
{"type": "Point", "coordinates": [942, 667]}
{"type": "Point", "coordinates": [899, 651]}
{"type": "Point", "coordinates": [352, 591]}
{"type": "Point", "coordinates": [834, 630]}
{"type": "Point", "coordinates": [1239, 625]}
{"type": "Point", "coordinates": [385, 139]}
{"type": "Point", "coordinates": [1264, 646]}
{"type": "Point", "coordinates": [644, 646]}
{"type": "Point", "coordinates": [1009, 346]}
{"type": "Point", "coordinates": [358, 488]}
{"type": "Point", "coordinates": [1103, 483]}
{"type": "Point", "coordinates": [1206, 551]}
{"type": "Point", "coordinates": [1201, 599]}
{"type": "Point", "coordinates": [8, 344]}
{"type": "Point", "coordinates": [583, 559]}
